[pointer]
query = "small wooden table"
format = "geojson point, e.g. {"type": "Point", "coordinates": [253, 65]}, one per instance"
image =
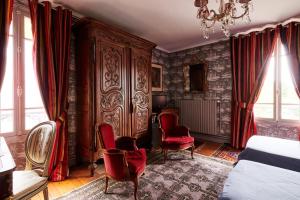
{"type": "Point", "coordinates": [7, 166]}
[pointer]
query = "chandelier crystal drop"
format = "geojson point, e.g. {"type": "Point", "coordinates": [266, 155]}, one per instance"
{"type": "Point", "coordinates": [226, 15]}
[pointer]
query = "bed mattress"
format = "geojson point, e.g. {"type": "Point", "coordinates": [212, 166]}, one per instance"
{"type": "Point", "coordinates": [277, 146]}
{"type": "Point", "coordinates": [256, 181]}
{"type": "Point", "coordinates": [273, 151]}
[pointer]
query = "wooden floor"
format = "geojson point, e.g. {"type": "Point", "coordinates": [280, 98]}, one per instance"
{"type": "Point", "coordinates": [80, 176]}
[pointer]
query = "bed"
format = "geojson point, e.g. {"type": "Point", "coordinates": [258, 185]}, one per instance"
{"type": "Point", "coordinates": [256, 181]}
{"type": "Point", "coordinates": [273, 151]}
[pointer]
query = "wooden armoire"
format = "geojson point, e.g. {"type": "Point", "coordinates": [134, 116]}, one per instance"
{"type": "Point", "coordinates": [113, 84]}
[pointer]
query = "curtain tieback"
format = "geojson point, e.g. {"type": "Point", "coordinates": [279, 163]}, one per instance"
{"type": "Point", "coordinates": [242, 104]}
{"type": "Point", "coordinates": [62, 118]}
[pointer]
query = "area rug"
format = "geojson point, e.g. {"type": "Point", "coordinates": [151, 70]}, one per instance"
{"type": "Point", "coordinates": [227, 153]}
{"type": "Point", "coordinates": [179, 178]}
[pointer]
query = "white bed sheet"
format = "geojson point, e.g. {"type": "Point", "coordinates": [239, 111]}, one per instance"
{"type": "Point", "coordinates": [256, 181]}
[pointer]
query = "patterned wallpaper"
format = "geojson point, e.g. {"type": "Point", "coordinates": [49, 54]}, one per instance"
{"type": "Point", "coordinates": [72, 105]}
{"type": "Point", "coordinates": [162, 58]}
{"type": "Point", "coordinates": [278, 129]}
{"type": "Point", "coordinates": [219, 76]}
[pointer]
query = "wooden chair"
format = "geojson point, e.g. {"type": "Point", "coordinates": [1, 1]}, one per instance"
{"type": "Point", "coordinates": [174, 137]}
{"type": "Point", "coordinates": [122, 159]}
{"type": "Point", "coordinates": [38, 147]}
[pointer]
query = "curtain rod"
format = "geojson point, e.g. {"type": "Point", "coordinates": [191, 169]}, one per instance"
{"type": "Point", "coordinates": [259, 29]}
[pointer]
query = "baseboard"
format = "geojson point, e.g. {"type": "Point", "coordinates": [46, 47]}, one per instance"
{"type": "Point", "coordinates": [213, 138]}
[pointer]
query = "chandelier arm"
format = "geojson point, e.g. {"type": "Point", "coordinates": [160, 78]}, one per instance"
{"type": "Point", "coordinates": [214, 17]}
{"type": "Point", "coordinates": [242, 15]}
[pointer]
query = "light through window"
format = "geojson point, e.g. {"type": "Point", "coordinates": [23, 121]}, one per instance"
{"type": "Point", "coordinates": [21, 106]}
{"type": "Point", "coordinates": [278, 99]}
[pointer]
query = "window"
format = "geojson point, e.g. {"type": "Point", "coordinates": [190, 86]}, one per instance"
{"type": "Point", "coordinates": [21, 106]}
{"type": "Point", "coordinates": [278, 99]}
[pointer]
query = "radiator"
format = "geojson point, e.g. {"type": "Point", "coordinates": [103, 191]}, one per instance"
{"type": "Point", "coordinates": [199, 115]}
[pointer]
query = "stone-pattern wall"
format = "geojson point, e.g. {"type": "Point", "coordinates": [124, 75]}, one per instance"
{"type": "Point", "coordinates": [217, 55]}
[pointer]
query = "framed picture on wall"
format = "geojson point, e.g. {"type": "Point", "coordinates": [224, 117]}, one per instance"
{"type": "Point", "coordinates": [156, 74]}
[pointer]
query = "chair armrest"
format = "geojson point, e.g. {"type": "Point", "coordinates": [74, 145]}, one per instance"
{"type": "Point", "coordinates": [115, 163]}
{"type": "Point", "coordinates": [126, 143]}
{"type": "Point", "coordinates": [181, 131]}
{"type": "Point", "coordinates": [163, 135]}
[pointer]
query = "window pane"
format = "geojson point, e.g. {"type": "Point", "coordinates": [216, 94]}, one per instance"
{"type": "Point", "coordinates": [27, 28]}
{"type": "Point", "coordinates": [264, 107]}
{"type": "Point", "coordinates": [267, 91]}
{"type": "Point", "coordinates": [290, 112]}
{"type": "Point", "coordinates": [7, 119]}
{"type": "Point", "coordinates": [7, 92]}
{"type": "Point", "coordinates": [264, 110]}
{"type": "Point", "coordinates": [288, 93]}
{"type": "Point", "coordinates": [32, 92]}
{"type": "Point", "coordinates": [282, 50]}
{"type": "Point", "coordinates": [34, 108]}
{"type": "Point", "coordinates": [34, 117]}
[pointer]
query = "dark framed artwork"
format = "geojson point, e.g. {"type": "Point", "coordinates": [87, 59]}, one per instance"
{"type": "Point", "coordinates": [156, 73]}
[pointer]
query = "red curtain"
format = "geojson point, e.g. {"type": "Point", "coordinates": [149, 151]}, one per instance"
{"type": "Point", "coordinates": [250, 56]}
{"type": "Point", "coordinates": [52, 36]}
{"type": "Point", "coordinates": [6, 8]}
{"type": "Point", "coordinates": [290, 38]}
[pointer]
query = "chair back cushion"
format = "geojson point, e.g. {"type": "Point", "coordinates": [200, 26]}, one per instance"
{"type": "Point", "coordinates": [115, 164]}
{"type": "Point", "coordinates": [107, 137]}
{"type": "Point", "coordinates": [168, 121]}
{"type": "Point", "coordinates": [40, 143]}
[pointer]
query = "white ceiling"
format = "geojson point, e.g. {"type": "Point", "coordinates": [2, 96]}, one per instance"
{"type": "Point", "coordinates": [172, 24]}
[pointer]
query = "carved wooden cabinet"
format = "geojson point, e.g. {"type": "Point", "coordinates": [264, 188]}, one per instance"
{"type": "Point", "coordinates": [113, 84]}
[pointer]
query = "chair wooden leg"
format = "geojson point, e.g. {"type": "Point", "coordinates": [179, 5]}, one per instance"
{"type": "Point", "coordinates": [45, 193]}
{"type": "Point", "coordinates": [136, 183]}
{"type": "Point", "coordinates": [165, 154]}
{"type": "Point", "coordinates": [106, 184]}
{"type": "Point", "coordinates": [192, 151]}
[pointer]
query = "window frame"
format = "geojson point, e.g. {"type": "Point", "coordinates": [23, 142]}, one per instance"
{"type": "Point", "coordinates": [19, 13]}
{"type": "Point", "coordinates": [277, 87]}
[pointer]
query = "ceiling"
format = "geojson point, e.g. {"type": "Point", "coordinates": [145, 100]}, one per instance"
{"type": "Point", "coordinates": [172, 24]}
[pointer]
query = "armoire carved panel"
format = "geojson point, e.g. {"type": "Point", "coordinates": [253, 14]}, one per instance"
{"type": "Point", "coordinates": [140, 92]}
{"type": "Point", "coordinates": [112, 90]}
{"type": "Point", "coordinates": [113, 84]}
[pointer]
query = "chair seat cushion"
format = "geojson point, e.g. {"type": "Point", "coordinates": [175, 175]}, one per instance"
{"type": "Point", "coordinates": [178, 142]}
{"type": "Point", "coordinates": [136, 161]}
{"type": "Point", "coordinates": [26, 182]}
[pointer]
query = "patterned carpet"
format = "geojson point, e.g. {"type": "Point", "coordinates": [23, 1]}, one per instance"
{"type": "Point", "coordinates": [227, 153]}
{"type": "Point", "coordinates": [179, 178]}
{"type": "Point", "coordinates": [217, 150]}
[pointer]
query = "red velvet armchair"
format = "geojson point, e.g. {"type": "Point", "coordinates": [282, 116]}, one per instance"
{"type": "Point", "coordinates": [174, 137]}
{"type": "Point", "coordinates": [122, 159]}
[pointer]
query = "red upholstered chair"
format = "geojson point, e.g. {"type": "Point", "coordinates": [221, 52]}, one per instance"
{"type": "Point", "coordinates": [122, 159]}
{"type": "Point", "coordinates": [174, 137]}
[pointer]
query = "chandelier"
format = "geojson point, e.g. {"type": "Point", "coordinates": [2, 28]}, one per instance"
{"type": "Point", "coordinates": [228, 13]}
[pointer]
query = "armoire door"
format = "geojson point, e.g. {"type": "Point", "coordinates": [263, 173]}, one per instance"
{"type": "Point", "coordinates": [111, 88]}
{"type": "Point", "coordinates": [140, 91]}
